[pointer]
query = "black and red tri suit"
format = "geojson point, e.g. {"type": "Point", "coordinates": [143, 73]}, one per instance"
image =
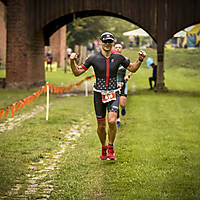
{"type": "Point", "coordinates": [106, 79]}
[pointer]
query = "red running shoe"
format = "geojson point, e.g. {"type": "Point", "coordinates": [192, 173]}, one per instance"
{"type": "Point", "coordinates": [111, 154]}
{"type": "Point", "coordinates": [104, 153]}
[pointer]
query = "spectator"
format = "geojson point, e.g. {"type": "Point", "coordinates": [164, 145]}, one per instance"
{"type": "Point", "coordinates": [154, 76]}
{"type": "Point", "coordinates": [90, 48]}
{"type": "Point", "coordinates": [67, 58]}
{"type": "Point", "coordinates": [49, 59]}
{"type": "Point", "coordinates": [131, 42]}
{"type": "Point", "coordinates": [122, 79]}
{"type": "Point", "coordinates": [123, 45]}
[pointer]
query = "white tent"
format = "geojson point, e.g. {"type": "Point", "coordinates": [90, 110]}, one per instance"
{"type": "Point", "coordinates": [180, 34]}
{"type": "Point", "coordinates": [183, 32]}
{"type": "Point", "coordinates": [137, 32]}
{"type": "Point", "coordinates": [189, 28]}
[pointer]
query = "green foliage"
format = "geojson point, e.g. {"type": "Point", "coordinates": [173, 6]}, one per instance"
{"type": "Point", "coordinates": [80, 31]}
{"type": "Point", "coordinates": [64, 79]}
{"type": "Point", "coordinates": [2, 73]}
{"type": "Point", "coordinates": [83, 30]}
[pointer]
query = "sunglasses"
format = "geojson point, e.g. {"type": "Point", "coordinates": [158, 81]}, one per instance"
{"type": "Point", "coordinates": [107, 41]}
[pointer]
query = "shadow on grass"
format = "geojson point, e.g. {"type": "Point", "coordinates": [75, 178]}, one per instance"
{"type": "Point", "coordinates": [108, 162]}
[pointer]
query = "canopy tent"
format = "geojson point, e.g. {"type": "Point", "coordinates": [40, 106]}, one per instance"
{"type": "Point", "coordinates": [194, 29]}
{"type": "Point", "coordinates": [137, 32]}
{"type": "Point", "coordinates": [183, 33]}
{"type": "Point", "coordinates": [189, 37]}
{"type": "Point", "coordinates": [193, 36]}
{"type": "Point", "coordinates": [180, 34]}
{"type": "Point", "coordinates": [189, 28]}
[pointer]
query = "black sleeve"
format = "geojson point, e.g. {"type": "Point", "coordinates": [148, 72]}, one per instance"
{"type": "Point", "coordinates": [88, 62]}
{"type": "Point", "coordinates": [125, 62]}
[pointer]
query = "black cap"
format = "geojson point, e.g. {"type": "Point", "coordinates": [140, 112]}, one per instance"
{"type": "Point", "coordinates": [107, 36]}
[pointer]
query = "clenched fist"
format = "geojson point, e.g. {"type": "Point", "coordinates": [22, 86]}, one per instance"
{"type": "Point", "coordinates": [142, 54]}
{"type": "Point", "coordinates": [73, 56]}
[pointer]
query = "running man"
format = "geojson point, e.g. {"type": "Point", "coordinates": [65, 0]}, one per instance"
{"type": "Point", "coordinates": [106, 91]}
{"type": "Point", "coordinates": [122, 79]}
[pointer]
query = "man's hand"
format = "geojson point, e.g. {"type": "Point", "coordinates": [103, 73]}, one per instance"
{"type": "Point", "coordinates": [126, 78]}
{"type": "Point", "coordinates": [77, 70]}
{"type": "Point", "coordinates": [73, 56]}
{"type": "Point", "coordinates": [142, 55]}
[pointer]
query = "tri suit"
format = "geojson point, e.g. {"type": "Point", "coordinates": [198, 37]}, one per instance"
{"type": "Point", "coordinates": [106, 80]}
{"type": "Point", "coordinates": [120, 79]}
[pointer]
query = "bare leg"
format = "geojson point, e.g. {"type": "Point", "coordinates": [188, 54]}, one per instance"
{"type": "Point", "coordinates": [101, 131]}
{"type": "Point", "coordinates": [112, 129]}
{"type": "Point", "coordinates": [123, 101]}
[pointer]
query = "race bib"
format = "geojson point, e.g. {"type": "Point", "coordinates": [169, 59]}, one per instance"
{"type": "Point", "coordinates": [106, 97]}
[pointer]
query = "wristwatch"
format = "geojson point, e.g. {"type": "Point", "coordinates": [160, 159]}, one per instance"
{"type": "Point", "coordinates": [140, 59]}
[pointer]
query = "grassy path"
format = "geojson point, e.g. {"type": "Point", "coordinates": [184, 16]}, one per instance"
{"type": "Point", "coordinates": [157, 145]}
{"type": "Point", "coordinates": [158, 156]}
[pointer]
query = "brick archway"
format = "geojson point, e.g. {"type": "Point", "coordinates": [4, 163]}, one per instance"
{"type": "Point", "coordinates": [30, 23]}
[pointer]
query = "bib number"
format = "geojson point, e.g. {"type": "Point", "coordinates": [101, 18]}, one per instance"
{"type": "Point", "coordinates": [106, 97]}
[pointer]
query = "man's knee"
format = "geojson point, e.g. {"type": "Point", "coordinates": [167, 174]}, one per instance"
{"type": "Point", "coordinates": [101, 125]}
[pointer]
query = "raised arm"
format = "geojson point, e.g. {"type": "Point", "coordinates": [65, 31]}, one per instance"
{"type": "Point", "coordinates": [133, 67]}
{"type": "Point", "coordinates": [77, 70]}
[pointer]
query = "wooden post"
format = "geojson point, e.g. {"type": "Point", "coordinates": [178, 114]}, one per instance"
{"type": "Point", "coordinates": [160, 85]}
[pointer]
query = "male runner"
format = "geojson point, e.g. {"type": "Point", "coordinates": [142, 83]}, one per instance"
{"type": "Point", "coordinates": [106, 91]}
{"type": "Point", "coordinates": [122, 79]}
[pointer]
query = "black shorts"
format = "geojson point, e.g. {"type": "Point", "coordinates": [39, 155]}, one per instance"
{"type": "Point", "coordinates": [100, 107]}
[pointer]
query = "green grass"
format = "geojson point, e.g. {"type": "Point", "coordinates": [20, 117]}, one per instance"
{"type": "Point", "coordinates": [157, 145]}
{"type": "Point", "coordinates": [2, 73]}
{"type": "Point", "coordinates": [60, 78]}
{"type": "Point", "coordinates": [164, 146]}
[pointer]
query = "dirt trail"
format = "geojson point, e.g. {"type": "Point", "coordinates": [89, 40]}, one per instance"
{"type": "Point", "coordinates": [39, 179]}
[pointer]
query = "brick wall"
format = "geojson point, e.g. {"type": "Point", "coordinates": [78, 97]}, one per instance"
{"type": "Point", "coordinates": [63, 45]}
{"type": "Point", "coordinates": [2, 34]}
{"type": "Point", "coordinates": [58, 46]}
{"type": "Point", "coordinates": [25, 51]}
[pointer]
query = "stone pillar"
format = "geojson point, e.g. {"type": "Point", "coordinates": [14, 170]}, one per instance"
{"type": "Point", "coordinates": [25, 49]}
{"type": "Point", "coordinates": [160, 85]}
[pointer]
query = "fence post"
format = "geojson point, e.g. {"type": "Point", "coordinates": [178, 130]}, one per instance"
{"type": "Point", "coordinates": [86, 88]}
{"type": "Point", "coordinates": [47, 108]}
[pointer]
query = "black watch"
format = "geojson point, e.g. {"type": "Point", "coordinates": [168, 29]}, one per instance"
{"type": "Point", "coordinates": [140, 59]}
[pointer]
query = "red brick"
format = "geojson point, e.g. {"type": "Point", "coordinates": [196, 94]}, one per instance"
{"type": "Point", "coordinates": [2, 34]}
{"type": "Point", "coordinates": [58, 46]}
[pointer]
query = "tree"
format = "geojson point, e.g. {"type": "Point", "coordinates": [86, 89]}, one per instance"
{"type": "Point", "coordinates": [83, 30]}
